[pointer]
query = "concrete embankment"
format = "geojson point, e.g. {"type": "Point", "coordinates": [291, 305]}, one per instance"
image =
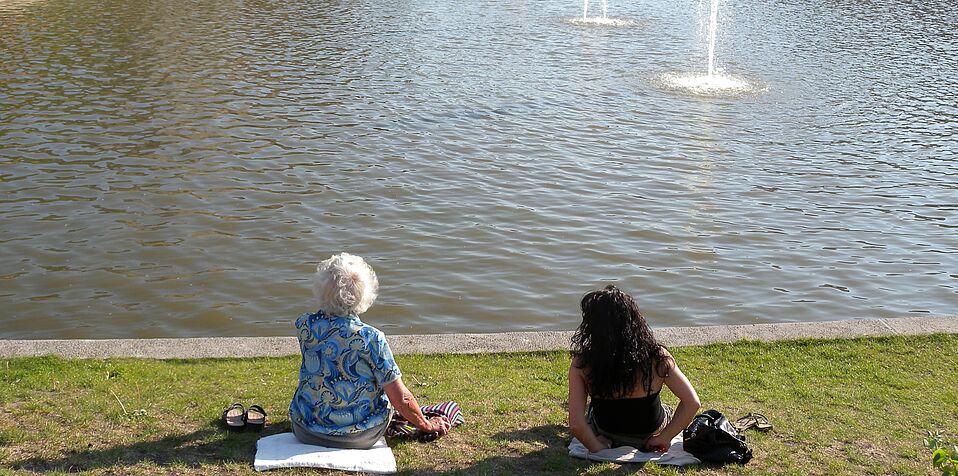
{"type": "Point", "coordinates": [188, 348]}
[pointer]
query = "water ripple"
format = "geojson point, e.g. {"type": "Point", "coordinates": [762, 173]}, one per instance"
{"type": "Point", "coordinates": [181, 176]}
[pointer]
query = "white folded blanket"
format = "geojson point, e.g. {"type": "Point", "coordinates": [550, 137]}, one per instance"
{"type": "Point", "coordinates": [283, 450]}
{"type": "Point", "coordinates": [676, 455]}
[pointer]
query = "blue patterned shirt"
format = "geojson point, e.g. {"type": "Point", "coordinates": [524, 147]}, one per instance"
{"type": "Point", "coordinates": [345, 365]}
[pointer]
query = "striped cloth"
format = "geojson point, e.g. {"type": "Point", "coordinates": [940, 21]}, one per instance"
{"type": "Point", "coordinates": [399, 427]}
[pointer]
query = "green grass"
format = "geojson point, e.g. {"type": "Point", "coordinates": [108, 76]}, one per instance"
{"type": "Point", "coordinates": [839, 407]}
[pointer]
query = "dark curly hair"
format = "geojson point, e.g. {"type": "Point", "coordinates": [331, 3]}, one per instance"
{"type": "Point", "coordinates": [615, 346]}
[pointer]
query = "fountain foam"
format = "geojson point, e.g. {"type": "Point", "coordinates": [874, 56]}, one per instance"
{"type": "Point", "coordinates": [706, 85]}
{"type": "Point", "coordinates": [602, 20]}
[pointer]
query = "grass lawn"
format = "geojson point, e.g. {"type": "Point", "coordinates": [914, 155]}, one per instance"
{"type": "Point", "coordinates": [839, 407]}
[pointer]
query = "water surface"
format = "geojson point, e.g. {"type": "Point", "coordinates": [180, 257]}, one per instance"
{"type": "Point", "coordinates": [177, 168]}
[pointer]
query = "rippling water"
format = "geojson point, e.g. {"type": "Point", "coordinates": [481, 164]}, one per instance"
{"type": "Point", "coordinates": [177, 168]}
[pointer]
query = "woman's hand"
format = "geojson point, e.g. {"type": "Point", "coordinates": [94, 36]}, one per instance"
{"type": "Point", "coordinates": [658, 443]}
{"type": "Point", "coordinates": [405, 403]}
{"type": "Point", "coordinates": [437, 424]}
{"type": "Point", "coordinates": [606, 443]}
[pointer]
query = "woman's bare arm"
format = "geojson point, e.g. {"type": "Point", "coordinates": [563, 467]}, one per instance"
{"type": "Point", "coordinates": [405, 403]}
{"type": "Point", "coordinates": [577, 424]}
{"type": "Point", "coordinates": [689, 405]}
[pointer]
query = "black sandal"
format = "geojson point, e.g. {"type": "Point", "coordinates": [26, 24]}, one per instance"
{"type": "Point", "coordinates": [234, 417]}
{"type": "Point", "coordinates": [255, 418]}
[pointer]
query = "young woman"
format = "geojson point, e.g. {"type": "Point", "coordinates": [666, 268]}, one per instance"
{"type": "Point", "coordinates": [619, 366]}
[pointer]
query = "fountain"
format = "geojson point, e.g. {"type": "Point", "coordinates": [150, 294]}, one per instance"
{"type": "Point", "coordinates": [600, 19]}
{"type": "Point", "coordinates": [713, 82]}
{"type": "Point", "coordinates": [585, 10]}
{"type": "Point", "coordinates": [713, 25]}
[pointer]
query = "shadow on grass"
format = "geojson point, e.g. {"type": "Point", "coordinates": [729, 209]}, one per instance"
{"type": "Point", "coordinates": [553, 457]}
{"type": "Point", "coordinates": [210, 445]}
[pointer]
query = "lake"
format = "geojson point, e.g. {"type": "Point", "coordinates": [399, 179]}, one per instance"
{"type": "Point", "coordinates": [177, 168]}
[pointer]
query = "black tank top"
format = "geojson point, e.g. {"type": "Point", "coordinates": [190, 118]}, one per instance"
{"type": "Point", "coordinates": [629, 416]}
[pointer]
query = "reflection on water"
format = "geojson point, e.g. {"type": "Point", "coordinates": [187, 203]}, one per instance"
{"type": "Point", "coordinates": [177, 168]}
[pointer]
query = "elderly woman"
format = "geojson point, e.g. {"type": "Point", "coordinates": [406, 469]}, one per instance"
{"type": "Point", "coordinates": [348, 376]}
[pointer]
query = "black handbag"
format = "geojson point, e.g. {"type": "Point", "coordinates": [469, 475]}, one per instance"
{"type": "Point", "coordinates": [712, 438]}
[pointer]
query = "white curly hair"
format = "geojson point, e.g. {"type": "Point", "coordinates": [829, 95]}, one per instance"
{"type": "Point", "coordinates": [344, 284]}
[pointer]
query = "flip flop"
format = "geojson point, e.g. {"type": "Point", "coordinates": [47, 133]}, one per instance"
{"type": "Point", "coordinates": [752, 420]}
{"type": "Point", "coordinates": [234, 417]}
{"type": "Point", "coordinates": [255, 418]}
{"type": "Point", "coordinates": [761, 423]}
{"type": "Point", "coordinates": [744, 422]}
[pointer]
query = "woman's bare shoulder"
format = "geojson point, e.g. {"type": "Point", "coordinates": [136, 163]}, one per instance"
{"type": "Point", "coordinates": [666, 359]}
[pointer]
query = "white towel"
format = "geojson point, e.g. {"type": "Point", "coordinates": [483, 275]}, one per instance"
{"type": "Point", "coordinates": [283, 450]}
{"type": "Point", "coordinates": [676, 455]}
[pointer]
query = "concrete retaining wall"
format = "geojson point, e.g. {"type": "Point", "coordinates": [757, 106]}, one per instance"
{"type": "Point", "coordinates": [188, 348]}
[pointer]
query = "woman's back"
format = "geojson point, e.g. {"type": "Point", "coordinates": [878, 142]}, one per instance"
{"type": "Point", "coordinates": [345, 363]}
{"type": "Point", "coordinates": [638, 411]}
{"type": "Point", "coordinates": [629, 415]}
{"type": "Point", "coordinates": [617, 372]}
